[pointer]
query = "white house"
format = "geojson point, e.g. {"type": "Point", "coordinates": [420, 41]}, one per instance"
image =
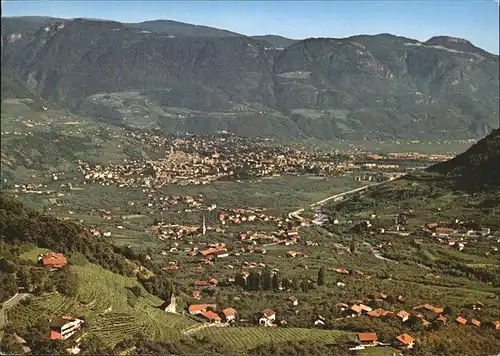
{"type": "Point", "coordinates": [62, 328]}
{"type": "Point", "coordinates": [404, 341]}
{"type": "Point", "coordinates": [268, 317]}
{"type": "Point", "coordinates": [229, 314]}
{"type": "Point", "coordinates": [403, 315]}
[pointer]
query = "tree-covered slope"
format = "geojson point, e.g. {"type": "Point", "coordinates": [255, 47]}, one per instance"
{"type": "Point", "coordinates": [478, 166]}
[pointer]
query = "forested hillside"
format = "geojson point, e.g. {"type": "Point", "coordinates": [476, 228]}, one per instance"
{"type": "Point", "coordinates": [477, 167]}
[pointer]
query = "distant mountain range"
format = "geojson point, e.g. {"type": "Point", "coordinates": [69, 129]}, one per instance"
{"type": "Point", "coordinates": [186, 78]}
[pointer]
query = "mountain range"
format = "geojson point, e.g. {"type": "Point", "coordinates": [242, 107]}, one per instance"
{"type": "Point", "coordinates": [185, 78]}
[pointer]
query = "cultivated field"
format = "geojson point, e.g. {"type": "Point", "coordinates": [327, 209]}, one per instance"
{"type": "Point", "coordinates": [104, 302]}
{"type": "Point", "coordinates": [246, 338]}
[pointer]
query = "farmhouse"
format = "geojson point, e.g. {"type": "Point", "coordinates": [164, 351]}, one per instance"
{"type": "Point", "coordinates": [211, 316]}
{"type": "Point", "coordinates": [444, 231]}
{"type": "Point", "coordinates": [195, 309]}
{"type": "Point", "coordinates": [210, 282]}
{"type": "Point", "coordinates": [403, 315]}
{"type": "Point", "coordinates": [268, 317]}
{"type": "Point", "coordinates": [52, 259]}
{"type": "Point", "coordinates": [441, 318]}
{"type": "Point", "coordinates": [293, 253]}
{"type": "Point", "coordinates": [294, 300]}
{"type": "Point", "coordinates": [461, 320]}
{"type": "Point", "coordinates": [229, 314]}
{"type": "Point", "coordinates": [357, 309]}
{"type": "Point", "coordinates": [405, 341]}
{"type": "Point", "coordinates": [320, 320]}
{"type": "Point", "coordinates": [367, 339]}
{"type": "Point", "coordinates": [379, 312]}
{"type": "Point", "coordinates": [475, 322]}
{"type": "Point", "coordinates": [63, 327]}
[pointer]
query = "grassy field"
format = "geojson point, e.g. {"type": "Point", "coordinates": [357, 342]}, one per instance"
{"type": "Point", "coordinates": [33, 254]}
{"type": "Point", "coordinates": [377, 351]}
{"type": "Point", "coordinates": [423, 147]}
{"type": "Point", "coordinates": [103, 301]}
{"type": "Point", "coordinates": [278, 195]}
{"type": "Point", "coordinates": [246, 338]}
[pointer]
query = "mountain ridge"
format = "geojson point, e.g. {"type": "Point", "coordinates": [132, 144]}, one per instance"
{"type": "Point", "coordinates": [479, 166]}
{"type": "Point", "coordinates": [361, 87]}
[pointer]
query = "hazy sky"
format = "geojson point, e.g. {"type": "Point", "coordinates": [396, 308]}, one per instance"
{"type": "Point", "coordinates": [477, 21]}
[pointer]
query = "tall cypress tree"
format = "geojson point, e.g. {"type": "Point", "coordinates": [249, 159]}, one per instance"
{"type": "Point", "coordinates": [252, 277]}
{"type": "Point", "coordinates": [305, 285]}
{"type": "Point", "coordinates": [258, 281]}
{"type": "Point", "coordinates": [276, 281]}
{"type": "Point", "coordinates": [321, 277]}
{"type": "Point", "coordinates": [267, 279]}
{"type": "Point", "coordinates": [352, 246]}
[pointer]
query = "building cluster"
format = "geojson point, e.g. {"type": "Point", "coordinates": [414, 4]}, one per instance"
{"type": "Point", "coordinates": [202, 159]}
{"type": "Point", "coordinates": [456, 233]}
{"type": "Point", "coordinates": [412, 156]}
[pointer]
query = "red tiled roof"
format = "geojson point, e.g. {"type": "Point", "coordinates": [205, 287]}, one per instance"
{"type": "Point", "coordinates": [461, 320]}
{"type": "Point", "coordinates": [197, 307]}
{"type": "Point", "coordinates": [365, 308]}
{"type": "Point", "coordinates": [475, 322]}
{"type": "Point", "coordinates": [210, 315]}
{"type": "Point", "coordinates": [379, 312]}
{"type": "Point", "coordinates": [356, 308]}
{"type": "Point", "coordinates": [405, 339]}
{"type": "Point", "coordinates": [213, 250]}
{"type": "Point", "coordinates": [229, 312]}
{"type": "Point", "coordinates": [367, 337]}
{"type": "Point", "coordinates": [54, 259]}
{"type": "Point", "coordinates": [54, 335]}
{"type": "Point", "coordinates": [268, 312]}
{"type": "Point", "coordinates": [403, 314]}
{"type": "Point", "coordinates": [201, 283]}
{"type": "Point", "coordinates": [442, 318]}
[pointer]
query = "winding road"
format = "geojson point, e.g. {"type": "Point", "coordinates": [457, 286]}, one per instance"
{"type": "Point", "coordinates": [6, 306]}
{"type": "Point", "coordinates": [295, 214]}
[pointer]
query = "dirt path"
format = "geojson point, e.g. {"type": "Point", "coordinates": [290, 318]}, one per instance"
{"type": "Point", "coordinates": [6, 306]}
{"type": "Point", "coordinates": [197, 328]}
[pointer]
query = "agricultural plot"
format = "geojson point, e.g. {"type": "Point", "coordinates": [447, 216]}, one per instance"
{"type": "Point", "coordinates": [103, 301]}
{"type": "Point", "coordinates": [246, 338]}
{"type": "Point", "coordinates": [33, 254]}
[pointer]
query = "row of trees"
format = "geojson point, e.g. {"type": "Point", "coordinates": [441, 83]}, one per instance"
{"type": "Point", "coordinates": [269, 280]}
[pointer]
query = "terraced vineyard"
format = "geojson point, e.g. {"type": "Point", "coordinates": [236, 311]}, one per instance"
{"type": "Point", "coordinates": [245, 338]}
{"type": "Point", "coordinates": [102, 301]}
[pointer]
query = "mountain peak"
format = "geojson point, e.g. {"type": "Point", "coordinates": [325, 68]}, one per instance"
{"type": "Point", "coordinates": [447, 39]}
{"type": "Point", "coordinates": [455, 43]}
